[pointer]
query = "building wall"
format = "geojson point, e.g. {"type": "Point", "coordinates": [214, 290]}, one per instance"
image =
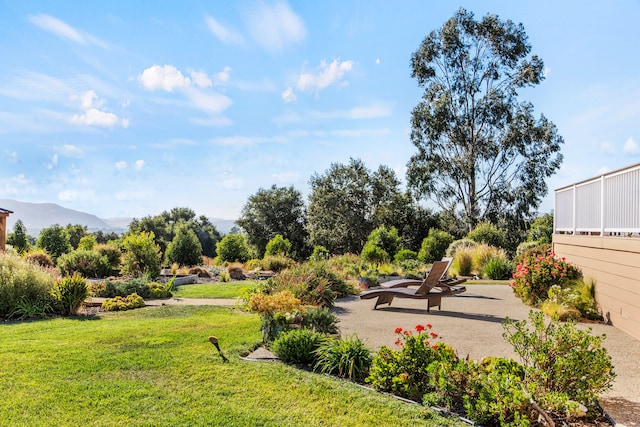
{"type": "Point", "coordinates": [3, 231]}
{"type": "Point", "coordinates": [614, 264]}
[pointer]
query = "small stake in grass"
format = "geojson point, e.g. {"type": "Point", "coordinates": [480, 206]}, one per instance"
{"type": "Point", "coordinates": [214, 341]}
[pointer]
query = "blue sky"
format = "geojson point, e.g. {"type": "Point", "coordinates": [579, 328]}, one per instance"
{"type": "Point", "coordinates": [129, 108]}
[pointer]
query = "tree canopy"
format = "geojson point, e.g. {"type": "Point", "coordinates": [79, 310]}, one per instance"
{"type": "Point", "coordinates": [273, 211]}
{"type": "Point", "coordinates": [481, 152]}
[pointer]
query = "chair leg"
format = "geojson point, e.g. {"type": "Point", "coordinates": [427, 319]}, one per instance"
{"type": "Point", "coordinates": [383, 299]}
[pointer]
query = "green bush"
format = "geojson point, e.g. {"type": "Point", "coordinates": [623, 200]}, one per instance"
{"type": "Point", "coordinates": [123, 303]}
{"type": "Point", "coordinates": [122, 288]}
{"type": "Point", "coordinates": [374, 254]}
{"type": "Point", "coordinates": [233, 248]}
{"type": "Point", "coordinates": [319, 319]}
{"type": "Point", "coordinates": [85, 262]}
{"type": "Point", "coordinates": [487, 233]}
{"type": "Point", "coordinates": [320, 253]}
{"type": "Point", "coordinates": [185, 249]}
{"type": "Point", "coordinates": [434, 246]}
{"type": "Point", "coordinates": [347, 358]}
{"type": "Point", "coordinates": [386, 239]}
{"type": "Point", "coordinates": [562, 359]}
{"type": "Point", "coordinates": [541, 230]}
{"type": "Point", "coordinates": [39, 257]}
{"type": "Point", "coordinates": [537, 273]}
{"type": "Point", "coordinates": [277, 263]}
{"type": "Point", "coordinates": [573, 299]}
{"type": "Point", "coordinates": [87, 242]}
{"type": "Point", "coordinates": [298, 346]}
{"type": "Point", "coordinates": [25, 287]}
{"type": "Point", "coordinates": [498, 268]}
{"type": "Point", "coordinates": [112, 252]}
{"type": "Point", "coordinates": [54, 240]}
{"type": "Point", "coordinates": [405, 255]}
{"type": "Point", "coordinates": [141, 255]}
{"type": "Point", "coordinates": [69, 293]}
{"type": "Point", "coordinates": [157, 290]}
{"type": "Point", "coordinates": [278, 246]}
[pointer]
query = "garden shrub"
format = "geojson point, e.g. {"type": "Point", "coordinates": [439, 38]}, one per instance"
{"type": "Point", "coordinates": [320, 319]}
{"type": "Point", "coordinates": [561, 360]}
{"type": "Point", "coordinates": [85, 262]}
{"type": "Point", "coordinates": [141, 255]}
{"type": "Point", "coordinates": [235, 270]}
{"type": "Point", "coordinates": [374, 254]}
{"type": "Point", "coordinates": [313, 283]}
{"type": "Point", "coordinates": [434, 246]}
{"type": "Point", "coordinates": [253, 264]}
{"type": "Point", "coordinates": [347, 358]}
{"type": "Point", "coordinates": [277, 263]}
{"type": "Point", "coordinates": [54, 240]}
{"type": "Point", "coordinates": [405, 255]}
{"type": "Point", "coordinates": [538, 249]}
{"type": "Point", "coordinates": [157, 290]}
{"type": "Point", "coordinates": [278, 246]}
{"type": "Point", "coordinates": [185, 249]}
{"type": "Point", "coordinates": [87, 243]}
{"type": "Point", "coordinates": [40, 257]}
{"type": "Point", "coordinates": [459, 244]}
{"type": "Point", "coordinates": [25, 287]}
{"type": "Point", "coordinates": [69, 293]}
{"type": "Point", "coordinates": [277, 312]}
{"type": "Point", "coordinates": [112, 288]}
{"type": "Point", "coordinates": [385, 239]}
{"type": "Point", "coordinates": [411, 371]}
{"type": "Point", "coordinates": [487, 233]}
{"type": "Point", "coordinates": [298, 346]}
{"type": "Point", "coordinates": [572, 300]}
{"type": "Point", "coordinates": [233, 248]}
{"type": "Point", "coordinates": [483, 253]}
{"type": "Point", "coordinates": [123, 303]}
{"type": "Point", "coordinates": [498, 268]}
{"type": "Point", "coordinates": [463, 261]}
{"type": "Point", "coordinates": [537, 273]}
{"type": "Point", "coordinates": [320, 253]}
{"type": "Point", "coordinates": [112, 252]}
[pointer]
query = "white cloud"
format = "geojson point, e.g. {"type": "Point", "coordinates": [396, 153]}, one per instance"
{"type": "Point", "coordinates": [222, 78]}
{"type": "Point", "coordinates": [166, 77]}
{"type": "Point", "coordinates": [69, 150]}
{"type": "Point", "coordinates": [95, 117]}
{"type": "Point", "coordinates": [225, 34]}
{"type": "Point", "coordinates": [288, 95]}
{"type": "Point", "coordinates": [286, 177]}
{"type": "Point", "coordinates": [134, 195]}
{"type": "Point", "coordinates": [327, 75]}
{"type": "Point", "coordinates": [121, 165]}
{"type": "Point", "coordinates": [607, 148]}
{"type": "Point", "coordinates": [88, 99]}
{"type": "Point", "coordinates": [125, 123]}
{"type": "Point", "coordinates": [54, 162]}
{"type": "Point", "coordinates": [201, 79]}
{"type": "Point", "coordinates": [546, 72]}
{"type": "Point", "coordinates": [231, 182]}
{"type": "Point", "coordinates": [213, 103]}
{"type": "Point", "coordinates": [275, 27]}
{"type": "Point", "coordinates": [57, 27]}
{"type": "Point", "coordinates": [64, 30]}
{"type": "Point", "coordinates": [375, 110]}
{"type": "Point", "coordinates": [12, 156]}
{"type": "Point", "coordinates": [377, 61]}
{"type": "Point", "coordinates": [217, 121]}
{"type": "Point", "coordinates": [75, 195]}
{"type": "Point", "coordinates": [631, 147]}
{"type": "Point", "coordinates": [20, 179]}
{"type": "Point", "coordinates": [139, 164]}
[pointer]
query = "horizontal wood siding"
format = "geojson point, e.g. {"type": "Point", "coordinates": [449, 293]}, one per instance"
{"type": "Point", "coordinates": [614, 264]}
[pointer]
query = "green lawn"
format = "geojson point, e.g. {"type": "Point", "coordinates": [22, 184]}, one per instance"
{"type": "Point", "coordinates": [155, 367]}
{"type": "Point", "coordinates": [215, 290]}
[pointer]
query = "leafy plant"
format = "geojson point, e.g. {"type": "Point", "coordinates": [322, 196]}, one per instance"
{"type": "Point", "coordinates": [85, 262]}
{"type": "Point", "coordinates": [488, 234]}
{"type": "Point", "coordinates": [123, 303]}
{"type": "Point", "coordinates": [298, 346]}
{"type": "Point", "coordinates": [374, 254]}
{"type": "Point", "coordinates": [320, 320]}
{"type": "Point", "coordinates": [347, 358]}
{"type": "Point", "coordinates": [562, 359]}
{"type": "Point", "coordinates": [233, 247]}
{"type": "Point", "coordinates": [434, 245]}
{"type": "Point", "coordinates": [40, 257]}
{"type": "Point", "coordinates": [405, 255]}
{"type": "Point", "coordinates": [69, 293]}
{"type": "Point", "coordinates": [278, 246]}
{"type": "Point", "coordinates": [537, 273]}
{"type": "Point", "coordinates": [498, 268]}
{"type": "Point", "coordinates": [320, 253]}
{"type": "Point", "coordinates": [185, 249]}
{"type": "Point", "coordinates": [141, 255]}
{"type": "Point", "coordinates": [277, 263]}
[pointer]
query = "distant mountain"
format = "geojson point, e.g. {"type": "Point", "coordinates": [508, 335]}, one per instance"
{"type": "Point", "coordinates": [36, 216]}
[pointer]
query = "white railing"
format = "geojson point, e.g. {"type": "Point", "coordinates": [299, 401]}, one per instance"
{"type": "Point", "coordinates": [606, 205]}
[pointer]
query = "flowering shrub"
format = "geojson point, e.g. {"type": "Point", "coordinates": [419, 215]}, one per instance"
{"type": "Point", "coordinates": [538, 273]}
{"type": "Point", "coordinates": [416, 368]}
{"type": "Point", "coordinates": [277, 312]}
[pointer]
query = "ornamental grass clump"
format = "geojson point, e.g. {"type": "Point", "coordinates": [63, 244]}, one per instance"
{"type": "Point", "coordinates": [69, 294]}
{"type": "Point", "coordinates": [347, 358]}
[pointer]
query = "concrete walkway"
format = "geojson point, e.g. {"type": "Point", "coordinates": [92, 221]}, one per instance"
{"type": "Point", "coordinates": [472, 324]}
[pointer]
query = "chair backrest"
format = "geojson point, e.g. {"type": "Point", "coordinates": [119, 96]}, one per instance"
{"type": "Point", "coordinates": [429, 283]}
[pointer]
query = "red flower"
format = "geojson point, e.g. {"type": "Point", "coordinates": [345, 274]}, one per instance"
{"type": "Point", "coordinates": [429, 326]}
{"type": "Point", "coordinates": [407, 333]}
{"type": "Point", "coordinates": [398, 330]}
{"type": "Point", "coordinates": [403, 377]}
{"type": "Point", "coordinates": [433, 335]}
{"type": "Point", "coordinates": [398, 342]}
{"type": "Point", "coordinates": [419, 328]}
